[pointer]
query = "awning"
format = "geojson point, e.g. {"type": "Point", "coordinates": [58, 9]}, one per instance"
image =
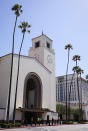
{"type": "Point", "coordinates": [38, 110]}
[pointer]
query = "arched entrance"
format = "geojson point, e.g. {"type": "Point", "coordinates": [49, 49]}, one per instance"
{"type": "Point", "coordinates": [32, 101]}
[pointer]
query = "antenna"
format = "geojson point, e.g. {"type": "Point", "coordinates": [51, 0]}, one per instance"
{"type": "Point", "coordinates": [42, 32]}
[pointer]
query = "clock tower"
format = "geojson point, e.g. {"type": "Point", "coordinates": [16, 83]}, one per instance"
{"type": "Point", "coordinates": [42, 50]}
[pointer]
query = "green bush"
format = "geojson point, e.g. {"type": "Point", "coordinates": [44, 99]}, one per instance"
{"type": "Point", "coordinates": [12, 125]}
{"type": "Point", "coordinates": [68, 122]}
{"type": "Point", "coordinates": [17, 124]}
{"type": "Point", "coordinates": [82, 122]}
{"type": "Point", "coordinates": [61, 109]}
{"type": "Point", "coordinates": [1, 124]}
{"type": "Point", "coordinates": [9, 125]}
{"type": "Point", "coordinates": [4, 125]}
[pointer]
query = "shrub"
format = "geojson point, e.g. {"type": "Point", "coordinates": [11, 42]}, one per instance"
{"type": "Point", "coordinates": [9, 125]}
{"type": "Point", "coordinates": [82, 122]}
{"type": "Point", "coordinates": [4, 125]}
{"type": "Point", "coordinates": [68, 122]}
{"type": "Point", "coordinates": [17, 124]}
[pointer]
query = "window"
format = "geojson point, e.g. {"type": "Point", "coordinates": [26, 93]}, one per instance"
{"type": "Point", "coordinates": [48, 45]}
{"type": "Point", "coordinates": [37, 44]}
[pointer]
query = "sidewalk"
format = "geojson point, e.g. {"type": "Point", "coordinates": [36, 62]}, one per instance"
{"type": "Point", "coordinates": [33, 126]}
{"type": "Point", "coordinates": [79, 127]}
{"type": "Point", "coordinates": [44, 127]}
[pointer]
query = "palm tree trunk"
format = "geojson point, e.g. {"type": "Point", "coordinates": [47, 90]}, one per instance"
{"type": "Point", "coordinates": [78, 92]}
{"type": "Point", "coordinates": [8, 106]}
{"type": "Point", "coordinates": [14, 111]}
{"type": "Point", "coordinates": [81, 113]}
{"type": "Point", "coordinates": [70, 97]}
{"type": "Point", "coordinates": [76, 62]}
{"type": "Point", "coordinates": [66, 88]}
{"type": "Point", "coordinates": [78, 96]}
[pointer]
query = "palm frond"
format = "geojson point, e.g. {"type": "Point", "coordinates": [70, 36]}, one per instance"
{"type": "Point", "coordinates": [17, 9]}
{"type": "Point", "coordinates": [68, 46]}
{"type": "Point", "coordinates": [20, 26]}
{"type": "Point", "coordinates": [21, 11]}
{"type": "Point", "coordinates": [76, 57]}
{"type": "Point", "coordinates": [23, 30]}
{"type": "Point", "coordinates": [29, 26]}
{"type": "Point", "coordinates": [75, 68]}
{"type": "Point", "coordinates": [24, 27]}
{"type": "Point", "coordinates": [28, 31]}
{"type": "Point", "coordinates": [78, 70]}
{"type": "Point", "coordinates": [87, 77]}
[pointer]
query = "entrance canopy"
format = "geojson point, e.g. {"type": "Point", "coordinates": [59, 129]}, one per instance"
{"type": "Point", "coordinates": [42, 110]}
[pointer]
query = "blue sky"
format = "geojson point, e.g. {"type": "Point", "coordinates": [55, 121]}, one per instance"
{"type": "Point", "coordinates": [64, 21]}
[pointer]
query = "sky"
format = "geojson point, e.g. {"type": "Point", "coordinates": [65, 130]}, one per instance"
{"type": "Point", "coordinates": [64, 21]}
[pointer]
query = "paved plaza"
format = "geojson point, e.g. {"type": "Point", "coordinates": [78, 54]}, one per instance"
{"type": "Point", "coordinates": [80, 127]}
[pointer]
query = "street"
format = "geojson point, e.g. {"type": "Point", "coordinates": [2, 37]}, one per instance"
{"type": "Point", "coordinates": [79, 127]}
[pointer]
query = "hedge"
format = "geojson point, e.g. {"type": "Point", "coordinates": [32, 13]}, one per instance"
{"type": "Point", "coordinates": [9, 125]}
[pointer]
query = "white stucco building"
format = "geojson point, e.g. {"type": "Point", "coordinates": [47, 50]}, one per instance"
{"type": "Point", "coordinates": [36, 92]}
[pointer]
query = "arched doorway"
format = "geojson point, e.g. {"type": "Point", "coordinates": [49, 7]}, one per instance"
{"type": "Point", "coordinates": [32, 100]}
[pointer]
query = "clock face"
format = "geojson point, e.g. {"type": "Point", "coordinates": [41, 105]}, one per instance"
{"type": "Point", "coordinates": [49, 59]}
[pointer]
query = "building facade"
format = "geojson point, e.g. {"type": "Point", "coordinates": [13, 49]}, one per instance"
{"type": "Point", "coordinates": [36, 93]}
{"type": "Point", "coordinates": [71, 89]}
{"type": "Point", "coordinates": [72, 92]}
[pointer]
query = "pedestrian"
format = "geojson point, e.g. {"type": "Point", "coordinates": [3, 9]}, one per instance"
{"type": "Point", "coordinates": [52, 121]}
{"type": "Point", "coordinates": [31, 121]}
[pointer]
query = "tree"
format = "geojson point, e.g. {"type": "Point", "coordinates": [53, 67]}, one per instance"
{"type": "Point", "coordinates": [24, 28]}
{"type": "Point", "coordinates": [17, 11]}
{"type": "Point", "coordinates": [87, 78]}
{"type": "Point", "coordinates": [76, 69]}
{"type": "Point", "coordinates": [61, 109]}
{"type": "Point", "coordinates": [75, 113]}
{"type": "Point", "coordinates": [69, 96]}
{"type": "Point", "coordinates": [67, 47]}
{"type": "Point", "coordinates": [76, 58]}
{"type": "Point", "coordinates": [69, 92]}
{"type": "Point", "coordinates": [80, 72]}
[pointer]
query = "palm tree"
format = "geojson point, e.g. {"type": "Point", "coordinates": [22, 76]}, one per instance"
{"type": "Point", "coordinates": [75, 69]}
{"type": "Point", "coordinates": [24, 28]}
{"type": "Point", "coordinates": [69, 95]}
{"type": "Point", "coordinates": [76, 58]}
{"type": "Point", "coordinates": [87, 78]}
{"type": "Point", "coordinates": [80, 72]}
{"type": "Point", "coordinates": [17, 11]}
{"type": "Point", "coordinates": [67, 47]}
